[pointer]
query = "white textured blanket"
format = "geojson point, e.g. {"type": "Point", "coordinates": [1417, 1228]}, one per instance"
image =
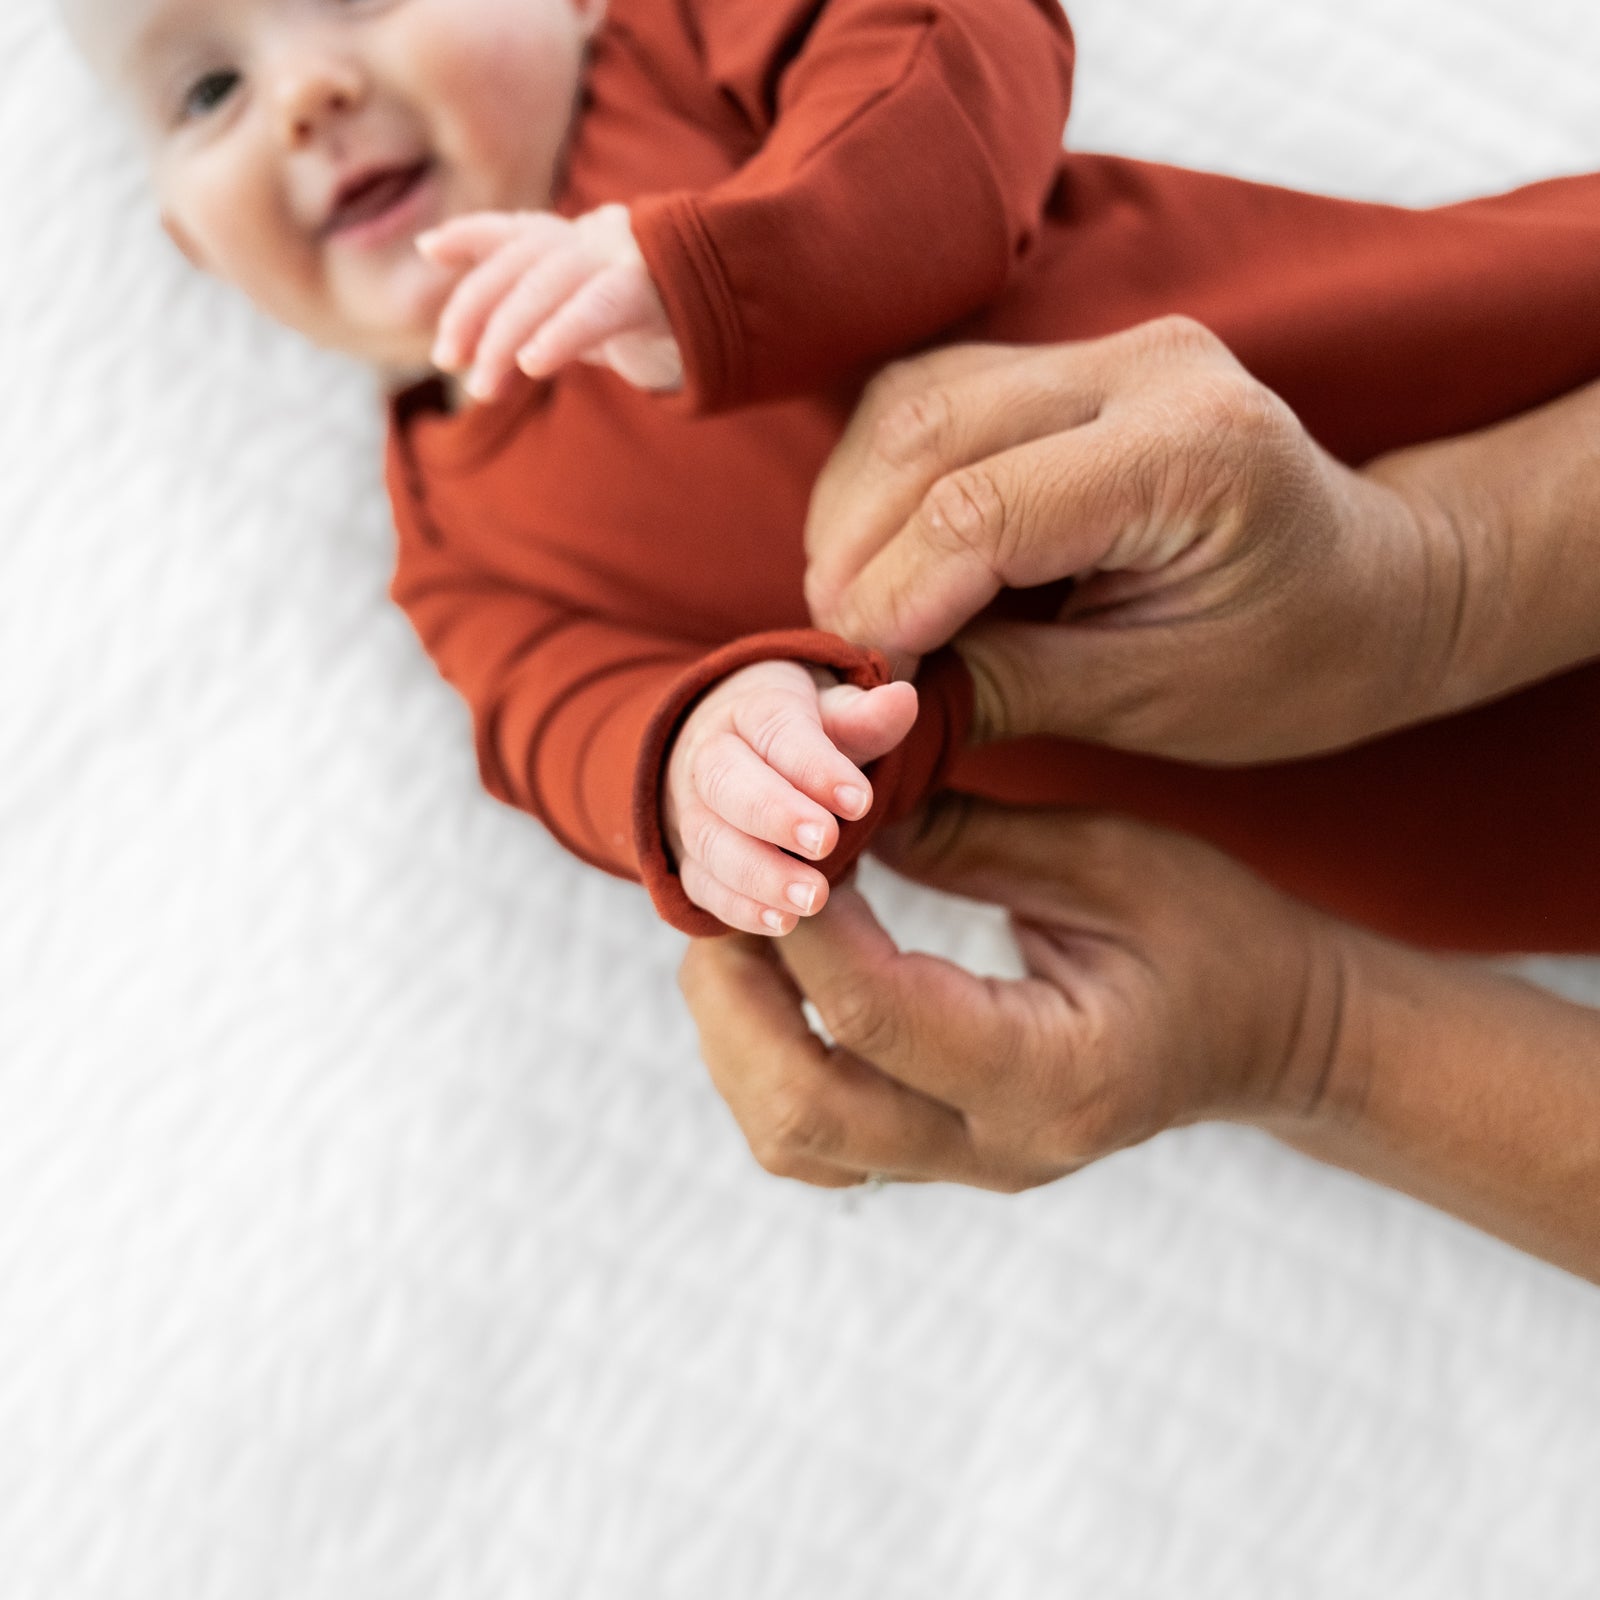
{"type": "Point", "coordinates": [368, 1230]}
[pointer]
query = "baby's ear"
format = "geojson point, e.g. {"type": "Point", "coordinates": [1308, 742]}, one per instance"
{"type": "Point", "coordinates": [179, 235]}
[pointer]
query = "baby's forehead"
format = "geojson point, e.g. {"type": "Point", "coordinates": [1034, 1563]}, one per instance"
{"type": "Point", "coordinates": [115, 35]}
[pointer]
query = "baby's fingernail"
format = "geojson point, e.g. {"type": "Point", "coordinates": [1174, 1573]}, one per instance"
{"type": "Point", "coordinates": [803, 897]}
{"type": "Point", "coordinates": [776, 921]}
{"type": "Point", "coordinates": [850, 801]}
{"type": "Point", "coordinates": [811, 836]}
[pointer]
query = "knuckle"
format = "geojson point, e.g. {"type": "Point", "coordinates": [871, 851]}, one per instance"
{"type": "Point", "coordinates": [965, 513]}
{"type": "Point", "coordinates": [798, 1125]}
{"type": "Point", "coordinates": [790, 745]}
{"type": "Point", "coordinates": [859, 1021]}
{"type": "Point", "coordinates": [748, 875]}
{"type": "Point", "coordinates": [712, 777]}
{"type": "Point", "coordinates": [1257, 416]}
{"type": "Point", "coordinates": [777, 817]}
{"type": "Point", "coordinates": [766, 724]}
{"type": "Point", "coordinates": [606, 299]}
{"type": "Point", "coordinates": [917, 426]}
{"type": "Point", "coordinates": [702, 838]}
{"type": "Point", "coordinates": [1226, 409]}
{"type": "Point", "coordinates": [1178, 336]}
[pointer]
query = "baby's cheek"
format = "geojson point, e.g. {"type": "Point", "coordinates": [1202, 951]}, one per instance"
{"type": "Point", "coordinates": [502, 77]}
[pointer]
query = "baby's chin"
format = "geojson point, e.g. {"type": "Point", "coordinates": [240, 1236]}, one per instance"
{"type": "Point", "coordinates": [392, 325]}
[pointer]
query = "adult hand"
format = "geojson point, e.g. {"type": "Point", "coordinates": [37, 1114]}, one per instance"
{"type": "Point", "coordinates": [1240, 595]}
{"type": "Point", "coordinates": [1166, 985]}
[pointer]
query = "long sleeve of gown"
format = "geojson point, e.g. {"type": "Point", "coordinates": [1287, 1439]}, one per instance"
{"type": "Point", "coordinates": [573, 714]}
{"type": "Point", "coordinates": [907, 150]}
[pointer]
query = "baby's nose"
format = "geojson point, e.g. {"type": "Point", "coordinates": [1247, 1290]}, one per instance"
{"type": "Point", "coordinates": [314, 91]}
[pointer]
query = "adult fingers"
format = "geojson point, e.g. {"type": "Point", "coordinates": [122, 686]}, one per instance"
{"type": "Point", "coordinates": [1003, 464]}
{"type": "Point", "coordinates": [976, 1044]}
{"type": "Point", "coordinates": [859, 461]}
{"type": "Point", "coordinates": [1048, 509]}
{"type": "Point", "coordinates": [810, 1112]}
{"type": "Point", "coordinates": [751, 1030]}
{"type": "Point", "coordinates": [916, 421]}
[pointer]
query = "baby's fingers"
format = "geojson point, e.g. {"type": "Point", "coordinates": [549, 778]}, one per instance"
{"type": "Point", "coordinates": [616, 300]}
{"type": "Point", "coordinates": [525, 311]}
{"type": "Point", "coordinates": [465, 241]}
{"type": "Point", "coordinates": [736, 785]}
{"type": "Point", "coordinates": [868, 723]}
{"type": "Point", "coordinates": [475, 298]}
{"type": "Point", "coordinates": [749, 885]}
{"type": "Point", "coordinates": [786, 731]}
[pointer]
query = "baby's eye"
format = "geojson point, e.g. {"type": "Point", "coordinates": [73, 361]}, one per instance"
{"type": "Point", "coordinates": [206, 94]}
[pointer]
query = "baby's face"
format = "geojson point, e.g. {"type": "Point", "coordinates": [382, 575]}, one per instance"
{"type": "Point", "coordinates": [299, 146]}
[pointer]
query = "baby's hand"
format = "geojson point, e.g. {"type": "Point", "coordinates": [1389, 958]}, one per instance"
{"type": "Point", "coordinates": [541, 291]}
{"type": "Point", "coordinates": [760, 767]}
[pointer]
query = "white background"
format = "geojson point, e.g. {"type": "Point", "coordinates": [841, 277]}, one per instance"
{"type": "Point", "coordinates": [368, 1230]}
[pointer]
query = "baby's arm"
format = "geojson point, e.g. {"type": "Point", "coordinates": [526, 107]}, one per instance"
{"type": "Point", "coordinates": [907, 151]}
{"type": "Point", "coordinates": [577, 718]}
{"type": "Point", "coordinates": [756, 777]}
{"type": "Point", "coordinates": [540, 291]}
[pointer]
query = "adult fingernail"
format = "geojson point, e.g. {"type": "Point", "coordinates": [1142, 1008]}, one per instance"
{"type": "Point", "coordinates": [775, 920]}
{"type": "Point", "coordinates": [811, 837]}
{"type": "Point", "coordinates": [850, 801]}
{"type": "Point", "coordinates": [803, 897]}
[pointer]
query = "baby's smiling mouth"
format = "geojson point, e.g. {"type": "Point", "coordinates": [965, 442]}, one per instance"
{"type": "Point", "coordinates": [366, 197]}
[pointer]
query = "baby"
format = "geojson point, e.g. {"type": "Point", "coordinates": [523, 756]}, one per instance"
{"type": "Point", "coordinates": [660, 248]}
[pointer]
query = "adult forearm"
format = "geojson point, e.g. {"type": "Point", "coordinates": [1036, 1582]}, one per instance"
{"type": "Point", "coordinates": [1513, 580]}
{"type": "Point", "coordinates": [1472, 1091]}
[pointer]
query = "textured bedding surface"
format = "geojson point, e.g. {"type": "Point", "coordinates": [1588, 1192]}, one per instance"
{"type": "Point", "coordinates": [368, 1229]}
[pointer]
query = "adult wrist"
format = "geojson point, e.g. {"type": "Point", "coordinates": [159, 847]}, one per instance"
{"type": "Point", "coordinates": [1511, 549]}
{"type": "Point", "coordinates": [1453, 589]}
{"type": "Point", "coordinates": [1314, 1068]}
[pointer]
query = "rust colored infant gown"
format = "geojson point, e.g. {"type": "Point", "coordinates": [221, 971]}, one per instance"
{"type": "Point", "coordinates": [821, 185]}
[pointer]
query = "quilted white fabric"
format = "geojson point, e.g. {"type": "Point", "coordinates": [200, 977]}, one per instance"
{"type": "Point", "coordinates": [368, 1229]}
